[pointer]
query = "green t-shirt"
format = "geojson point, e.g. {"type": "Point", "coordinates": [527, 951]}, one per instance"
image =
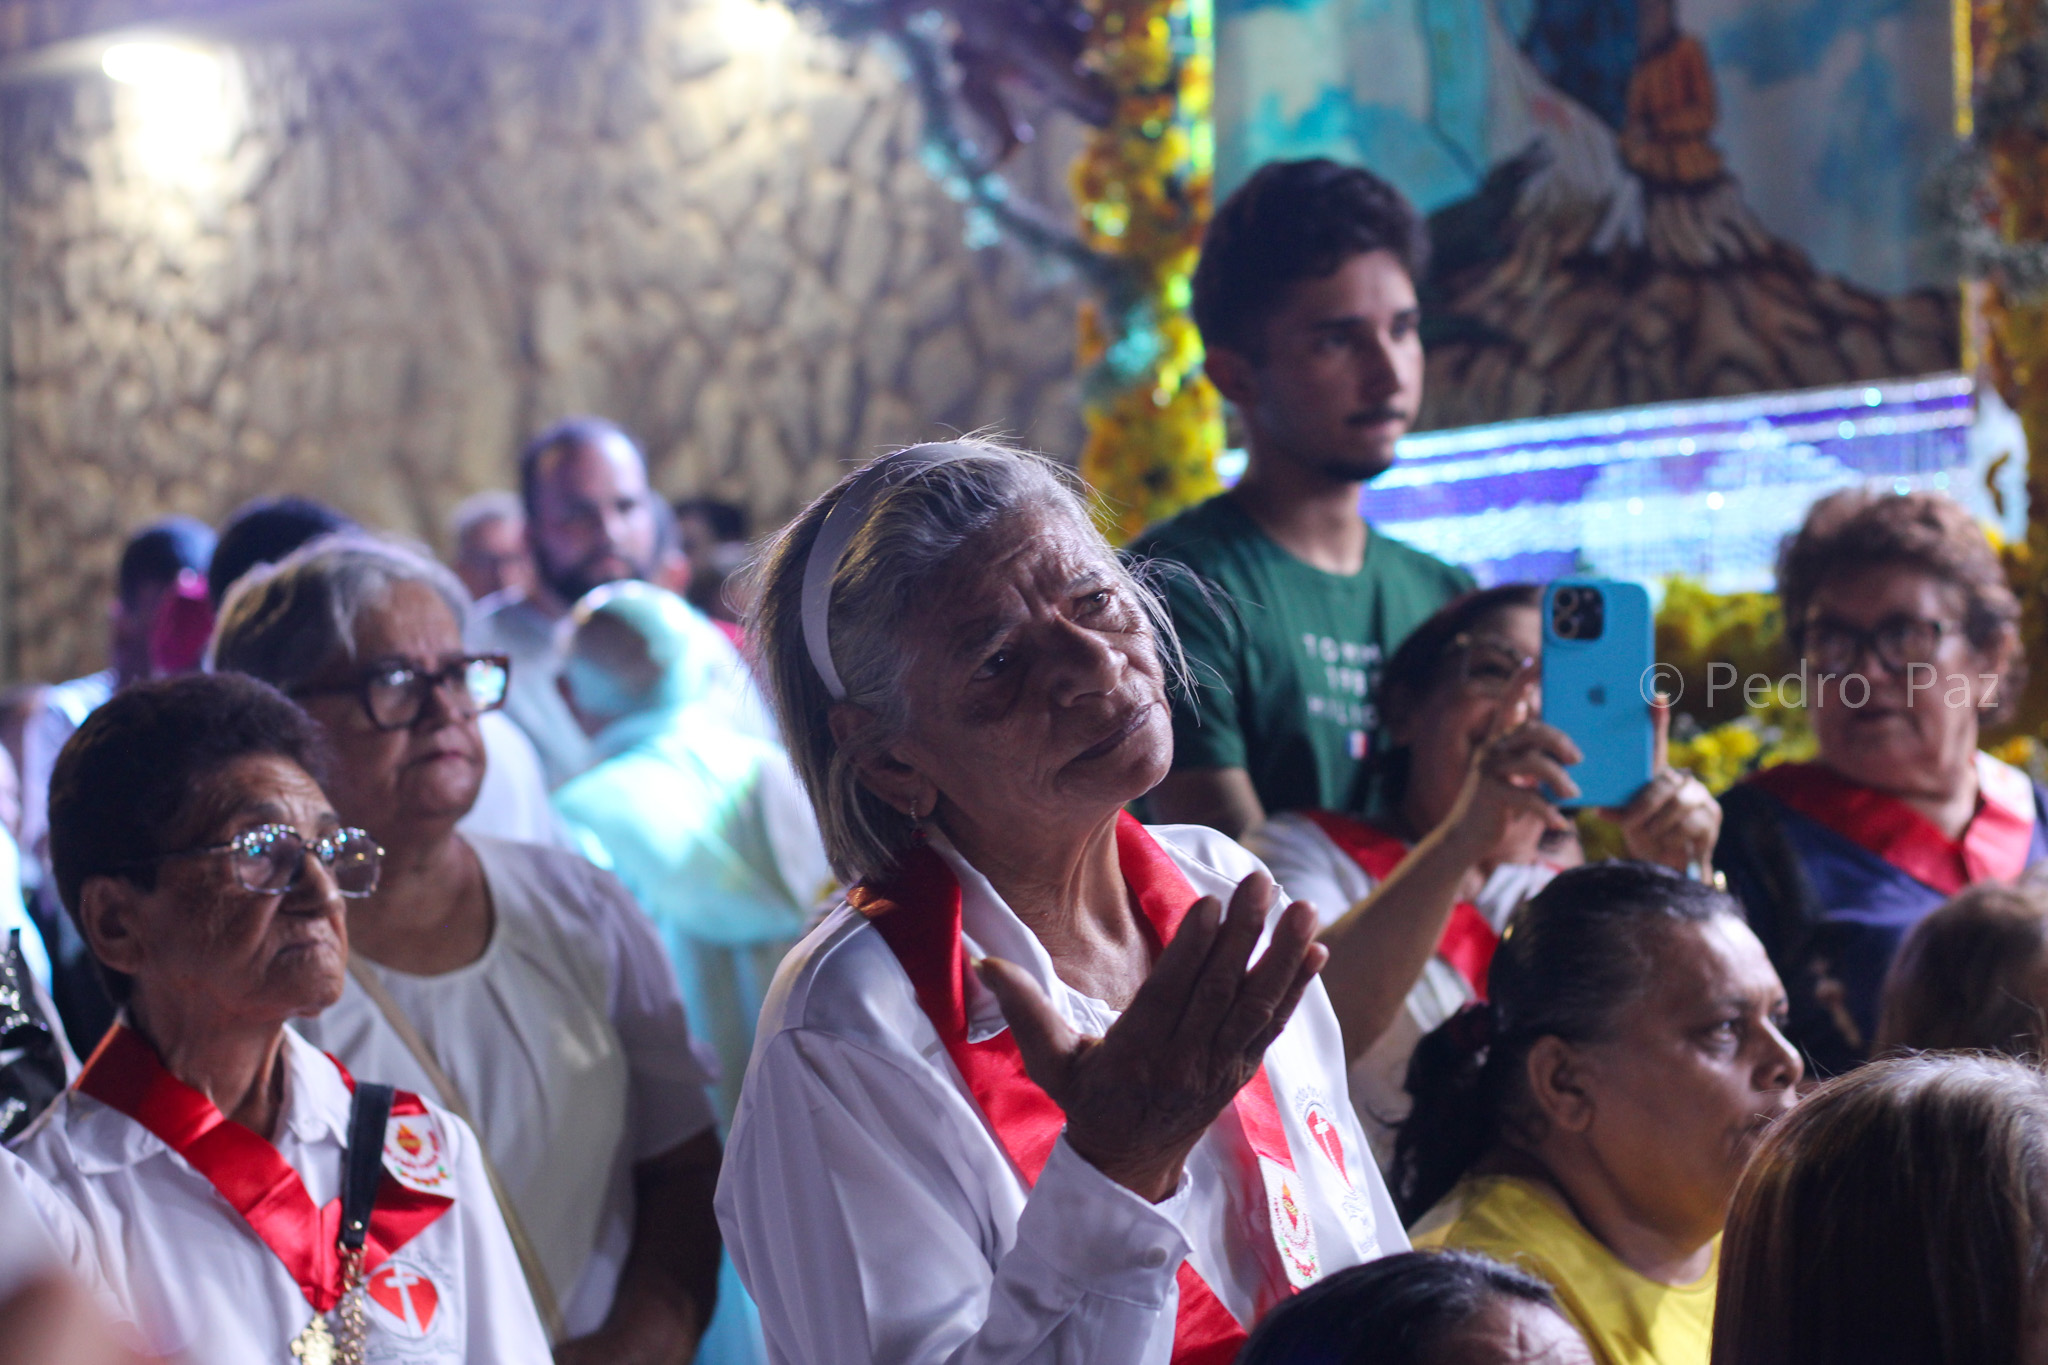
{"type": "Point", "coordinates": [1286, 657]}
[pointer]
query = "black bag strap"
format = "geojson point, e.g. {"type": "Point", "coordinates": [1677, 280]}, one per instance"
{"type": "Point", "coordinates": [362, 1165]}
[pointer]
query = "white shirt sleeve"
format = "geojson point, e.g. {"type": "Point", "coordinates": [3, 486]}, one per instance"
{"type": "Point", "coordinates": [42, 1233]}
{"type": "Point", "coordinates": [667, 1103]}
{"type": "Point", "coordinates": [863, 1237]}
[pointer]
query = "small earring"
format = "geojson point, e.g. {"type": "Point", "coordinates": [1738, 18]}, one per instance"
{"type": "Point", "coordinates": [916, 823]}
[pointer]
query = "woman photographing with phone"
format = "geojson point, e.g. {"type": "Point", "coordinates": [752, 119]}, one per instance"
{"type": "Point", "coordinates": [1414, 900]}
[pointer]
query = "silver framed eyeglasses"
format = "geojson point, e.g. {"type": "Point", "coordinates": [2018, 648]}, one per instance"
{"type": "Point", "coordinates": [271, 859]}
{"type": "Point", "coordinates": [394, 694]}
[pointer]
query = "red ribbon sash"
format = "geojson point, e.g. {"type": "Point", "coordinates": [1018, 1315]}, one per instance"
{"type": "Point", "coordinates": [126, 1074]}
{"type": "Point", "coordinates": [1468, 940]}
{"type": "Point", "coordinates": [917, 912]}
{"type": "Point", "coordinates": [1994, 846]}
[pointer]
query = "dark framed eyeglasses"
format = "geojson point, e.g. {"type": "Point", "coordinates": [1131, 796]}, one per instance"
{"type": "Point", "coordinates": [1486, 664]}
{"type": "Point", "coordinates": [1898, 642]}
{"type": "Point", "coordinates": [394, 694]}
{"type": "Point", "coordinates": [270, 859]}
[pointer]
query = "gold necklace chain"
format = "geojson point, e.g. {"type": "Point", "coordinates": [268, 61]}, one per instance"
{"type": "Point", "coordinates": [354, 1317]}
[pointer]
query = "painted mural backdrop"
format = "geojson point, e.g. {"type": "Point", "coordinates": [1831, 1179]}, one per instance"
{"type": "Point", "coordinates": [1633, 200]}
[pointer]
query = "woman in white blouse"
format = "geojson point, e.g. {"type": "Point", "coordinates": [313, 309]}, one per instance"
{"type": "Point", "coordinates": [209, 1152]}
{"type": "Point", "coordinates": [513, 982]}
{"type": "Point", "coordinates": [1026, 1094]}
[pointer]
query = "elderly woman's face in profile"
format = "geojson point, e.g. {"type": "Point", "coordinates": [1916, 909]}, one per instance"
{"type": "Point", "coordinates": [1035, 685]}
{"type": "Point", "coordinates": [430, 770]}
{"type": "Point", "coordinates": [200, 938]}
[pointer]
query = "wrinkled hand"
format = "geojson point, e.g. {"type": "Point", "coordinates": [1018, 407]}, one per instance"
{"type": "Point", "coordinates": [1674, 820]}
{"type": "Point", "coordinates": [1138, 1098]}
{"type": "Point", "coordinates": [1518, 757]}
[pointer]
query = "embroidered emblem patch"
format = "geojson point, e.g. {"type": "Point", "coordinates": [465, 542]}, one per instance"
{"type": "Point", "coordinates": [1322, 1129]}
{"type": "Point", "coordinates": [1293, 1233]}
{"type": "Point", "coordinates": [405, 1300]}
{"type": "Point", "coordinates": [416, 1155]}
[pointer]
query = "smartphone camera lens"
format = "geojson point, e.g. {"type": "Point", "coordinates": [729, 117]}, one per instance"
{"type": "Point", "coordinates": [1564, 616]}
{"type": "Point", "coordinates": [1577, 613]}
{"type": "Point", "coordinates": [1592, 615]}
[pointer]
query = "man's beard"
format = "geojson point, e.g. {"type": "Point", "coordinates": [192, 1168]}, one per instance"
{"type": "Point", "coordinates": [1345, 463]}
{"type": "Point", "coordinates": [571, 583]}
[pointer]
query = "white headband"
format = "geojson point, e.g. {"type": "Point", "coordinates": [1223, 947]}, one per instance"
{"type": "Point", "coordinates": [845, 519]}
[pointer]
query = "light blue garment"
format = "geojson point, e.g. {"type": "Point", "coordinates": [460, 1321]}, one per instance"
{"type": "Point", "coordinates": [708, 671]}
{"type": "Point", "coordinates": [711, 832]}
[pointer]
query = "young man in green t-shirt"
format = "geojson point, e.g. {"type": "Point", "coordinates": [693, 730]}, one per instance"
{"type": "Point", "coordinates": [1305, 297]}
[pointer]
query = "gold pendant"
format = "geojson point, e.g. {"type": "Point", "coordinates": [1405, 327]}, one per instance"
{"type": "Point", "coordinates": [315, 1345]}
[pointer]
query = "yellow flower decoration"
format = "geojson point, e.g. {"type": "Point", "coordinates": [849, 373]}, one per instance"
{"type": "Point", "coordinates": [1145, 187]}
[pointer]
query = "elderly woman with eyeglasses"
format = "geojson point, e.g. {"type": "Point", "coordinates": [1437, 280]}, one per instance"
{"type": "Point", "coordinates": [1900, 620]}
{"type": "Point", "coordinates": [1028, 1093]}
{"type": "Point", "coordinates": [514, 983]}
{"type": "Point", "coordinates": [250, 1201]}
{"type": "Point", "coordinates": [1414, 899]}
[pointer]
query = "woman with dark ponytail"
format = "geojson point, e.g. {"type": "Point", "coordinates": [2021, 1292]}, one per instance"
{"type": "Point", "coordinates": [1590, 1120]}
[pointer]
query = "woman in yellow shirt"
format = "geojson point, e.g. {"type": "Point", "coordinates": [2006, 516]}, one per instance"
{"type": "Point", "coordinates": [1588, 1123]}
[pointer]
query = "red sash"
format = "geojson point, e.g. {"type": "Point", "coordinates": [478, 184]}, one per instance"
{"type": "Point", "coordinates": [126, 1074]}
{"type": "Point", "coordinates": [917, 912]}
{"type": "Point", "coordinates": [1994, 847]}
{"type": "Point", "coordinates": [1468, 939]}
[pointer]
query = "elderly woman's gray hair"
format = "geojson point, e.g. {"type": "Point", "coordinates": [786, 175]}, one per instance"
{"type": "Point", "coordinates": [896, 561]}
{"type": "Point", "coordinates": [284, 622]}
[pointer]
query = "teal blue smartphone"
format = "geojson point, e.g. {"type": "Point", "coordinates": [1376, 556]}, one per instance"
{"type": "Point", "coordinates": [1599, 647]}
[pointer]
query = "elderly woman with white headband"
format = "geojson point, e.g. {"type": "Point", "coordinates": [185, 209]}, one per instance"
{"type": "Point", "coordinates": [1028, 1093]}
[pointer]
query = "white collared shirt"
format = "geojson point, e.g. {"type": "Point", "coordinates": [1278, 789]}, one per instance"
{"type": "Point", "coordinates": [1314, 869]}
{"type": "Point", "coordinates": [875, 1217]}
{"type": "Point", "coordinates": [199, 1283]}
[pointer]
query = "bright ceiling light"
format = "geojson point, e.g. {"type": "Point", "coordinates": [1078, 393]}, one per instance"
{"type": "Point", "coordinates": [756, 25]}
{"type": "Point", "coordinates": [151, 65]}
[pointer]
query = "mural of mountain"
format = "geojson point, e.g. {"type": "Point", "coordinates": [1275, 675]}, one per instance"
{"type": "Point", "coordinates": [1594, 246]}
{"type": "Point", "coordinates": [1659, 283]}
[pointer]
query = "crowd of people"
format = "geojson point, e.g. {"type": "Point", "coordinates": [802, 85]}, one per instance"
{"type": "Point", "coordinates": [626, 943]}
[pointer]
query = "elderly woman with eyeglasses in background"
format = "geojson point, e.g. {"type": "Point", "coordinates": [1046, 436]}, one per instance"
{"type": "Point", "coordinates": [248, 1200]}
{"type": "Point", "coordinates": [1414, 899]}
{"type": "Point", "coordinates": [1901, 620]}
{"type": "Point", "coordinates": [516, 983]}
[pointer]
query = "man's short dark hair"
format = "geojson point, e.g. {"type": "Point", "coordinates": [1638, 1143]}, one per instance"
{"type": "Point", "coordinates": [123, 785]}
{"type": "Point", "coordinates": [576, 431]}
{"type": "Point", "coordinates": [265, 531]}
{"type": "Point", "coordinates": [1295, 220]}
{"type": "Point", "coordinates": [160, 551]}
